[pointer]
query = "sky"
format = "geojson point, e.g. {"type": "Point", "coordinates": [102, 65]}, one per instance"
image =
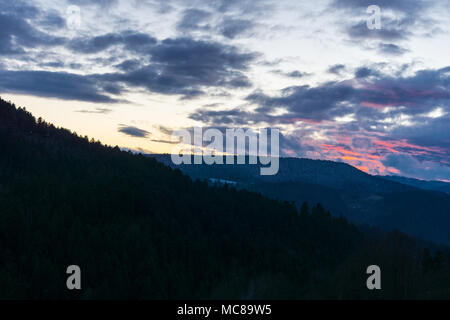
{"type": "Point", "coordinates": [128, 73]}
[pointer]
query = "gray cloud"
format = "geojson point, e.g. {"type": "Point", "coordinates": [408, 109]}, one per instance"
{"type": "Point", "coordinates": [428, 132]}
{"type": "Point", "coordinates": [369, 91]}
{"type": "Point", "coordinates": [16, 34]}
{"type": "Point", "coordinates": [292, 74]}
{"type": "Point", "coordinates": [361, 143]}
{"type": "Point", "coordinates": [390, 31]}
{"type": "Point", "coordinates": [232, 28]}
{"type": "Point", "coordinates": [129, 65]}
{"type": "Point", "coordinates": [185, 67]}
{"type": "Point", "coordinates": [410, 166]}
{"type": "Point", "coordinates": [401, 20]}
{"type": "Point", "coordinates": [181, 66]}
{"type": "Point", "coordinates": [391, 49]}
{"type": "Point", "coordinates": [165, 141]}
{"type": "Point", "coordinates": [410, 7]}
{"type": "Point", "coordinates": [363, 72]}
{"type": "Point", "coordinates": [133, 131]}
{"type": "Point", "coordinates": [52, 20]}
{"type": "Point", "coordinates": [133, 41]}
{"type": "Point", "coordinates": [101, 3]}
{"type": "Point", "coordinates": [53, 84]}
{"type": "Point", "coordinates": [96, 111]}
{"type": "Point", "coordinates": [336, 69]}
{"type": "Point", "coordinates": [315, 103]}
{"type": "Point", "coordinates": [194, 19]}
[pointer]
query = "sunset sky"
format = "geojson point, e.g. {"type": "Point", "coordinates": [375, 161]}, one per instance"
{"type": "Point", "coordinates": [129, 72]}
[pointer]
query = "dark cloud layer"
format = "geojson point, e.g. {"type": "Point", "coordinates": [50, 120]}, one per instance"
{"type": "Point", "coordinates": [400, 20]}
{"type": "Point", "coordinates": [134, 41]}
{"type": "Point", "coordinates": [391, 49]}
{"type": "Point", "coordinates": [412, 167]}
{"type": "Point", "coordinates": [101, 3]}
{"type": "Point", "coordinates": [185, 67]}
{"type": "Point", "coordinates": [411, 137]}
{"type": "Point", "coordinates": [419, 93]}
{"type": "Point", "coordinates": [336, 69]}
{"type": "Point", "coordinates": [60, 85]}
{"type": "Point", "coordinates": [180, 66]}
{"type": "Point", "coordinates": [17, 35]}
{"type": "Point", "coordinates": [133, 131]}
{"type": "Point", "coordinates": [194, 19]}
{"type": "Point", "coordinates": [232, 28]}
{"type": "Point", "coordinates": [200, 20]}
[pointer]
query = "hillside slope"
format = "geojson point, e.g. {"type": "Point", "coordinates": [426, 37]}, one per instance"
{"type": "Point", "coordinates": [139, 229]}
{"type": "Point", "coordinates": [343, 189]}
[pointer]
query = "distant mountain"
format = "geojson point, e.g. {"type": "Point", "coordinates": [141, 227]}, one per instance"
{"type": "Point", "coordinates": [422, 184]}
{"type": "Point", "coordinates": [336, 175]}
{"type": "Point", "coordinates": [343, 189]}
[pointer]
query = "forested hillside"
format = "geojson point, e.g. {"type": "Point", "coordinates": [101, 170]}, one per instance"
{"type": "Point", "coordinates": [139, 229]}
{"type": "Point", "coordinates": [344, 190]}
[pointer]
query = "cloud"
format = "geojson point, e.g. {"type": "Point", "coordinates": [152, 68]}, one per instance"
{"type": "Point", "coordinates": [336, 69]}
{"type": "Point", "coordinates": [133, 41]}
{"type": "Point", "coordinates": [297, 74]}
{"type": "Point", "coordinates": [184, 66]}
{"type": "Point", "coordinates": [292, 74]}
{"type": "Point", "coordinates": [96, 111]}
{"type": "Point", "coordinates": [305, 102]}
{"type": "Point", "coordinates": [365, 96]}
{"type": "Point", "coordinates": [165, 141]}
{"type": "Point", "coordinates": [164, 130]}
{"type": "Point", "coordinates": [60, 85]}
{"type": "Point", "coordinates": [101, 3]}
{"type": "Point", "coordinates": [390, 31]}
{"type": "Point", "coordinates": [129, 65]}
{"type": "Point", "coordinates": [53, 64]}
{"type": "Point", "coordinates": [410, 7]}
{"type": "Point", "coordinates": [194, 19]}
{"type": "Point", "coordinates": [410, 166]}
{"type": "Point", "coordinates": [230, 19]}
{"type": "Point", "coordinates": [361, 143]}
{"type": "Point", "coordinates": [370, 109]}
{"type": "Point", "coordinates": [52, 20]}
{"type": "Point", "coordinates": [225, 117]}
{"type": "Point", "coordinates": [360, 121]}
{"type": "Point", "coordinates": [232, 28]}
{"type": "Point", "coordinates": [401, 20]}
{"type": "Point", "coordinates": [17, 35]}
{"type": "Point", "coordinates": [179, 66]}
{"type": "Point", "coordinates": [19, 8]}
{"type": "Point", "coordinates": [238, 7]}
{"type": "Point", "coordinates": [363, 72]}
{"type": "Point", "coordinates": [391, 49]}
{"type": "Point", "coordinates": [133, 131]}
{"type": "Point", "coordinates": [428, 131]}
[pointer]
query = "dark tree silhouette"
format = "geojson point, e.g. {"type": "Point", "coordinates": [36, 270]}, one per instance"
{"type": "Point", "coordinates": [139, 229]}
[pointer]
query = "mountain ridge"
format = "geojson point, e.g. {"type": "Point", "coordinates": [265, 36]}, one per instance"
{"type": "Point", "coordinates": [343, 189]}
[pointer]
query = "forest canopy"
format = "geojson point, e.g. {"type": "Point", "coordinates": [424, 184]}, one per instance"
{"type": "Point", "coordinates": [140, 230]}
